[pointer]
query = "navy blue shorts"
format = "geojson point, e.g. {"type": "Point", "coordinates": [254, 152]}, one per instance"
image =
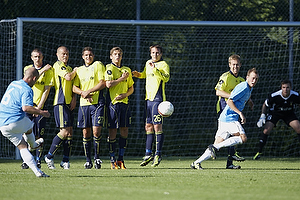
{"type": "Point", "coordinates": [92, 115]}
{"type": "Point", "coordinates": [151, 113]}
{"type": "Point", "coordinates": [118, 115]}
{"type": "Point", "coordinates": [64, 117]}
{"type": "Point", "coordinates": [39, 124]}
{"type": "Point", "coordinates": [287, 117]}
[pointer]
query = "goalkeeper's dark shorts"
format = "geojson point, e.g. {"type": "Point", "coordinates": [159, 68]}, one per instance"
{"type": "Point", "coordinates": [286, 116]}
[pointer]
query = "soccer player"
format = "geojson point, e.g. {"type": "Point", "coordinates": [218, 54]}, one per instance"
{"type": "Point", "coordinates": [41, 90]}
{"type": "Point", "coordinates": [279, 105]}
{"type": "Point", "coordinates": [120, 85]}
{"type": "Point", "coordinates": [89, 84]}
{"type": "Point", "coordinates": [64, 104]}
{"type": "Point", "coordinates": [17, 100]}
{"type": "Point", "coordinates": [156, 73]}
{"type": "Point", "coordinates": [224, 87]}
{"type": "Point", "coordinates": [230, 131]}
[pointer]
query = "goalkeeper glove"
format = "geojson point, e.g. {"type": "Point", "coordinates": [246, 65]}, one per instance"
{"type": "Point", "coordinates": [262, 120]}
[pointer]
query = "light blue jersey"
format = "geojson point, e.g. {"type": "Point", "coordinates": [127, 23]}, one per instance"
{"type": "Point", "coordinates": [17, 94]}
{"type": "Point", "coordinates": [240, 95]}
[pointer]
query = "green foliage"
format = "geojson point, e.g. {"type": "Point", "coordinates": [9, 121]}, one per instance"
{"type": "Point", "coordinates": [204, 10]}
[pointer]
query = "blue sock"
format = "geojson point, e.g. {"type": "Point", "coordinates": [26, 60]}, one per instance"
{"type": "Point", "coordinates": [122, 147]}
{"type": "Point", "coordinates": [149, 143]}
{"type": "Point", "coordinates": [56, 142]}
{"type": "Point", "coordinates": [159, 142]}
{"type": "Point", "coordinates": [97, 141]}
{"type": "Point", "coordinates": [231, 152]}
{"type": "Point", "coordinates": [87, 145]}
{"type": "Point", "coordinates": [112, 149]}
{"type": "Point", "coordinates": [67, 145]}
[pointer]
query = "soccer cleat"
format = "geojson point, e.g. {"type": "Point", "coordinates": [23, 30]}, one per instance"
{"type": "Point", "coordinates": [156, 161]}
{"type": "Point", "coordinates": [236, 157]}
{"type": "Point", "coordinates": [213, 151]}
{"type": "Point", "coordinates": [65, 165]}
{"type": "Point", "coordinates": [24, 166]}
{"type": "Point", "coordinates": [257, 156]}
{"type": "Point", "coordinates": [121, 164]}
{"type": "Point", "coordinates": [39, 142]}
{"type": "Point", "coordinates": [146, 160]}
{"type": "Point", "coordinates": [113, 165]}
{"type": "Point", "coordinates": [233, 167]}
{"type": "Point", "coordinates": [88, 165]}
{"type": "Point", "coordinates": [196, 166]}
{"type": "Point", "coordinates": [50, 163]}
{"type": "Point", "coordinates": [98, 163]}
{"type": "Point", "coordinates": [38, 164]}
{"type": "Point", "coordinates": [42, 174]}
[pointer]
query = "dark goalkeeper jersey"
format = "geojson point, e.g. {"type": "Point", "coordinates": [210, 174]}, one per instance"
{"type": "Point", "coordinates": [277, 103]}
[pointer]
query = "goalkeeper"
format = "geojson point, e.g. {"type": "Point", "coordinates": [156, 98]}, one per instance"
{"type": "Point", "coordinates": [281, 106]}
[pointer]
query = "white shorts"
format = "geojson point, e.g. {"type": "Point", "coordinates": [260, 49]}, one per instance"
{"type": "Point", "coordinates": [225, 130]}
{"type": "Point", "coordinates": [14, 131]}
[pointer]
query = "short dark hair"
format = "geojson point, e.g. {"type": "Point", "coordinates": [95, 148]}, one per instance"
{"type": "Point", "coordinates": [286, 81]}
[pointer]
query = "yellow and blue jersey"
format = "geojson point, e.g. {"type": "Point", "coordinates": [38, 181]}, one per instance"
{"type": "Point", "coordinates": [89, 77]}
{"type": "Point", "coordinates": [46, 79]}
{"type": "Point", "coordinates": [63, 88]}
{"type": "Point", "coordinates": [155, 80]}
{"type": "Point", "coordinates": [226, 83]}
{"type": "Point", "coordinates": [113, 73]}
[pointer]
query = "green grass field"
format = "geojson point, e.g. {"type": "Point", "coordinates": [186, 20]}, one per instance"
{"type": "Point", "coordinates": [173, 179]}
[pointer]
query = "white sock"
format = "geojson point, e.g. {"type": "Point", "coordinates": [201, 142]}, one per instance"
{"type": "Point", "coordinates": [29, 160]}
{"type": "Point", "coordinates": [229, 142]}
{"type": "Point", "coordinates": [205, 156]}
{"type": "Point", "coordinates": [30, 139]}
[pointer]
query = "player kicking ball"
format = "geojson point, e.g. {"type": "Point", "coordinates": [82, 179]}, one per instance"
{"type": "Point", "coordinates": [16, 101]}
{"type": "Point", "coordinates": [230, 131]}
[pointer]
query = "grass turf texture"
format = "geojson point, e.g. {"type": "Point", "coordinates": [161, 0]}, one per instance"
{"type": "Point", "coordinates": [275, 178]}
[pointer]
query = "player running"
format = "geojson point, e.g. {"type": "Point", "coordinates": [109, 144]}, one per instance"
{"type": "Point", "coordinates": [230, 131]}
{"type": "Point", "coordinates": [18, 99]}
{"type": "Point", "coordinates": [224, 87]}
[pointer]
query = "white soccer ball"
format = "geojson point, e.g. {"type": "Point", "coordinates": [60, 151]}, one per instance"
{"type": "Point", "coordinates": [165, 109]}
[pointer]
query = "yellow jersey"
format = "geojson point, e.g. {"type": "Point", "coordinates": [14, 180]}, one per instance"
{"type": "Point", "coordinates": [46, 79]}
{"type": "Point", "coordinates": [88, 77]}
{"type": "Point", "coordinates": [113, 73]}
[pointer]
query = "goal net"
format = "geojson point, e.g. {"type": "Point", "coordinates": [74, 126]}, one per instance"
{"type": "Point", "coordinates": [197, 56]}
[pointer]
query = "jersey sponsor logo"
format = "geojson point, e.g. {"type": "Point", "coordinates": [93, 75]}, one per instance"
{"type": "Point", "coordinates": [221, 82]}
{"type": "Point", "coordinates": [109, 72]}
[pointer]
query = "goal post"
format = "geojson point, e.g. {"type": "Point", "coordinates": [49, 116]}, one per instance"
{"type": "Point", "coordinates": [197, 52]}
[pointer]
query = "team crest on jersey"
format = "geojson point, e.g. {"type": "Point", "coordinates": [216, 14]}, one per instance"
{"type": "Point", "coordinates": [63, 68]}
{"type": "Point", "coordinates": [109, 72]}
{"type": "Point", "coordinates": [221, 82]}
